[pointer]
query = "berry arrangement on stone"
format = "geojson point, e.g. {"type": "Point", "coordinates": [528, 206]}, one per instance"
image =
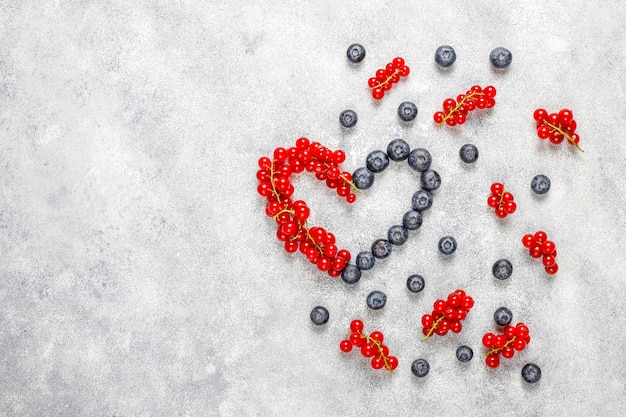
{"type": "Point", "coordinates": [514, 338]}
{"type": "Point", "coordinates": [447, 314]}
{"type": "Point", "coordinates": [386, 77]}
{"type": "Point", "coordinates": [501, 201]}
{"type": "Point", "coordinates": [557, 126]}
{"type": "Point", "coordinates": [540, 247]}
{"type": "Point", "coordinates": [455, 111]}
{"type": "Point", "coordinates": [371, 346]}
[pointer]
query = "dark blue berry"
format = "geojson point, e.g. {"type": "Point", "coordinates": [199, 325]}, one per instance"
{"type": "Point", "coordinates": [365, 261]}
{"type": "Point", "coordinates": [381, 248]}
{"type": "Point", "coordinates": [319, 315]}
{"type": "Point", "coordinates": [420, 159]}
{"type": "Point", "coordinates": [502, 269]}
{"type": "Point", "coordinates": [531, 373]}
{"type": "Point", "coordinates": [397, 235]}
{"type": "Point", "coordinates": [503, 316]}
{"type": "Point", "coordinates": [363, 178]}
{"type": "Point", "coordinates": [377, 161]}
{"type": "Point", "coordinates": [412, 220]}
{"type": "Point", "coordinates": [356, 53]}
{"type": "Point", "coordinates": [351, 274]}
{"type": "Point", "coordinates": [415, 283]}
{"type": "Point", "coordinates": [431, 180]}
{"type": "Point", "coordinates": [376, 300]}
{"type": "Point", "coordinates": [398, 150]}
{"type": "Point", "coordinates": [407, 111]}
{"type": "Point", "coordinates": [420, 367]}
{"type": "Point", "coordinates": [500, 57]}
{"type": "Point", "coordinates": [422, 200]}
{"type": "Point", "coordinates": [447, 245]}
{"type": "Point", "coordinates": [540, 184]}
{"type": "Point", "coordinates": [464, 353]}
{"type": "Point", "coordinates": [348, 118]}
{"type": "Point", "coordinates": [445, 56]}
{"type": "Point", "coordinates": [468, 153]}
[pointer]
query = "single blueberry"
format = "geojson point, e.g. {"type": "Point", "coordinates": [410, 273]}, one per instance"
{"type": "Point", "coordinates": [381, 248]}
{"type": "Point", "coordinates": [356, 53]}
{"type": "Point", "coordinates": [500, 57]}
{"type": "Point", "coordinates": [412, 220]}
{"type": "Point", "coordinates": [363, 178]}
{"type": "Point", "coordinates": [376, 300]}
{"type": "Point", "coordinates": [398, 150]}
{"type": "Point", "coordinates": [445, 56]}
{"type": "Point", "coordinates": [365, 261]}
{"type": "Point", "coordinates": [420, 159]}
{"type": "Point", "coordinates": [464, 353]}
{"type": "Point", "coordinates": [431, 180]}
{"type": "Point", "coordinates": [420, 367]}
{"type": "Point", "coordinates": [348, 118]}
{"type": "Point", "coordinates": [502, 269]}
{"type": "Point", "coordinates": [415, 283]}
{"type": "Point", "coordinates": [422, 200]}
{"type": "Point", "coordinates": [468, 153]}
{"type": "Point", "coordinates": [319, 315]}
{"type": "Point", "coordinates": [531, 373]}
{"type": "Point", "coordinates": [447, 245]}
{"type": "Point", "coordinates": [540, 184]}
{"type": "Point", "coordinates": [407, 111]}
{"type": "Point", "coordinates": [351, 274]}
{"type": "Point", "coordinates": [377, 161]}
{"type": "Point", "coordinates": [397, 235]}
{"type": "Point", "coordinates": [503, 316]}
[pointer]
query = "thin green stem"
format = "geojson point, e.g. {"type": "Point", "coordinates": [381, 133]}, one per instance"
{"type": "Point", "coordinates": [564, 133]}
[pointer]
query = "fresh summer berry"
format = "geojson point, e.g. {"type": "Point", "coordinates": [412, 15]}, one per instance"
{"type": "Point", "coordinates": [356, 326]}
{"type": "Point", "coordinates": [345, 346]}
{"type": "Point", "coordinates": [557, 126]}
{"type": "Point", "coordinates": [319, 315]}
{"type": "Point", "coordinates": [363, 178]}
{"type": "Point", "coordinates": [447, 245]}
{"type": "Point", "coordinates": [365, 261]}
{"type": "Point", "coordinates": [500, 57]}
{"type": "Point", "coordinates": [398, 150]}
{"type": "Point", "coordinates": [407, 111]}
{"type": "Point", "coordinates": [370, 346]}
{"type": "Point", "coordinates": [415, 283]}
{"type": "Point", "coordinates": [420, 159]}
{"type": "Point", "coordinates": [412, 220]}
{"type": "Point", "coordinates": [468, 153]}
{"type": "Point", "coordinates": [464, 353]}
{"type": "Point", "coordinates": [502, 269]}
{"type": "Point", "coordinates": [447, 314]}
{"type": "Point", "coordinates": [455, 111]}
{"type": "Point", "coordinates": [381, 248]}
{"type": "Point", "coordinates": [355, 53]}
{"type": "Point", "coordinates": [377, 161]}
{"type": "Point", "coordinates": [503, 316]}
{"type": "Point", "coordinates": [398, 235]}
{"type": "Point", "coordinates": [445, 56]}
{"type": "Point", "coordinates": [531, 373]}
{"type": "Point", "coordinates": [422, 200]}
{"type": "Point", "coordinates": [540, 247]}
{"type": "Point", "coordinates": [351, 274]}
{"type": "Point", "coordinates": [492, 361]}
{"type": "Point", "coordinates": [376, 300]}
{"type": "Point", "coordinates": [420, 368]}
{"type": "Point", "coordinates": [502, 201]}
{"type": "Point", "coordinates": [430, 180]}
{"type": "Point", "coordinates": [540, 184]}
{"type": "Point", "coordinates": [386, 78]}
{"type": "Point", "coordinates": [348, 118]}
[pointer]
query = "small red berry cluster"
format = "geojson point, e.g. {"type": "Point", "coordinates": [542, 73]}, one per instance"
{"type": "Point", "coordinates": [514, 338]}
{"type": "Point", "coordinates": [539, 246]}
{"type": "Point", "coordinates": [455, 112]}
{"type": "Point", "coordinates": [501, 200]}
{"type": "Point", "coordinates": [387, 77]}
{"type": "Point", "coordinates": [557, 126]}
{"type": "Point", "coordinates": [447, 314]}
{"type": "Point", "coordinates": [317, 244]}
{"type": "Point", "coordinates": [371, 346]}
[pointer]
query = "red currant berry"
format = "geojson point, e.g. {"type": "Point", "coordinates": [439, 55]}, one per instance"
{"type": "Point", "coordinates": [356, 339]}
{"type": "Point", "coordinates": [540, 115]}
{"type": "Point", "coordinates": [404, 71]}
{"type": "Point", "coordinates": [499, 341]}
{"type": "Point", "coordinates": [439, 306]}
{"type": "Point", "coordinates": [508, 352]}
{"type": "Point", "coordinates": [356, 326]}
{"type": "Point", "coordinates": [377, 363]}
{"type": "Point", "coordinates": [427, 320]}
{"type": "Point", "coordinates": [493, 201]}
{"type": "Point", "coordinates": [488, 340]}
{"type": "Point", "coordinates": [565, 116]}
{"type": "Point", "coordinates": [528, 241]}
{"type": "Point", "coordinates": [543, 132]}
{"type": "Point", "coordinates": [492, 360]}
{"type": "Point", "coordinates": [378, 93]}
{"type": "Point", "coordinates": [509, 332]}
{"type": "Point", "coordinates": [467, 303]}
{"type": "Point", "coordinates": [521, 330]}
{"type": "Point", "coordinates": [501, 212]}
{"type": "Point", "coordinates": [510, 207]}
{"type": "Point", "coordinates": [344, 254]}
{"type": "Point", "coordinates": [519, 344]}
{"type": "Point", "coordinates": [490, 91]}
{"type": "Point", "coordinates": [535, 252]}
{"type": "Point", "coordinates": [456, 326]}
{"type": "Point", "coordinates": [291, 246]}
{"type": "Point", "coordinates": [392, 362]}
{"type": "Point", "coordinates": [345, 346]}
{"type": "Point", "coordinates": [398, 62]}
{"type": "Point", "coordinates": [548, 260]}
{"type": "Point", "coordinates": [378, 336]}
{"type": "Point", "coordinates": [497, 188]}
{"type": "Point", "coordinates": [368, 350]}
{"type": "Point", "coordinates": [438, 117]}
{"type": "Point", "coordinates": [552, 269]}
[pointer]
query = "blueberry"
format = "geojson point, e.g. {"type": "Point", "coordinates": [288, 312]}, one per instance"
{"type": "Point", "coordinates": [447, 245]}
{"type": "Point", "coordinates": [348, 118]}
{"type": "Point", "coordinates": [540, 184]}
{"type": "Point", "coordinates": [351, 274]}
{"type": "Point", "coordinates": [420, 367]}
{"type": "Point", "coordinates": [503, 316]}
{"type": "Point", "coordinates": [502, 269]}
{"type": "Point", "coordinates": [365, 261]}
{"type": "Point", "coordinates": [398, 235]}
{"type": "Point", "coordinates": [319, 315]}
{"type": "Point", "coordinates": [356, 53]}
{"type": "Point", "coordinates": [464, 353]}
{"type": "Point", "coordinates": [381, 248]}
{"type": "Point", "coordinates": [376, 300]}
{"type": "Point", "coordinates": [412, 220]}
{"type": "Point", "coordinates": [420, 159]}
{"type": "Point", "coordinates": [445, 56]}
{"type": "Point", "coordinates": [363, 178]}
{"type": "Point", "coordinates": [422, 200]}
{"type": "Point", "coordinates": [468, 153]}
{"type": "Point", "coordinates": [531, 373]}
{"type": "Point", "coordinates": [415, 283]}
{"type": "Point", "coordinates": [398, 150]}
{"type": "Point", "coordinates": [407, 111]}
{"type": "Point", "coordinates": [500, 57]}
{"type": "Point", "coordinates": [431, 180]}
{"type": "Point", "coordinates": [377, 161]}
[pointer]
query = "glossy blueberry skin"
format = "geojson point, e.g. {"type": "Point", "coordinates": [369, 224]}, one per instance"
{"type": "Point", "coordinates": [412, 220]}
{"type": "Point", "coordinates": [431, 180]}
{"type": "Point", "coordinates": [531, 373]}
{"type": "Point", "coordinates": [415, 283]}
{"type": "Point", "coordinates": [540, 184]}
{"type": "Point", "coordinates": [464, 353]}
{"type": "Point", "coordinates": [319, 315]}
{"type": "Point", "coordinates": [348, 118]}
{"type": "Point", "coordinates": [420, 159]}
{"type": "Point", "coordinates": [503, 316]}
{"type": "Point", "coordinates": [398, 150]}
{"type": "Point", "coordinates": [365, 260]}
{"type": "Point", "coordinates": [351, 274]}
{"type": "Point", "coordinates": [445, 56]}
{"type": "Point", "coordinates": [355, 53]}
{"type": "Point", "coordinates": [376, 300]}
{"type": "Point", "coordinates": [502, 269]}
{"type": "Point", "coordinates": [377, 161]}
{"type": "Point", "coordinates": [468, 153]}
{"type": "Point", "coordinates": [397, 235]}
{"type": "Point", "coordinates": [381, 248]}
{"type": "Point", "coordinates": [422, 200]}
{"type": "Point", "coordinates": [447, 245]}
{"type": "Point", "coordinates": [500, 57]}
{"type": "Point", "coordinates": [407, 111]}
{"type": "Point", "coordinates": [363, 178]}
{"type": "Point", "coordinates": [420, 367]}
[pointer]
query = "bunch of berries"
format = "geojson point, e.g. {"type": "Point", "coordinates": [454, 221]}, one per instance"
{"type": "Point", "coordinates": [514, 338]}
{"type": "Point", "coordinates": [371, 346]}
{"type": "Point", "coordinates": [455, 112]}
{"type": "Point", "coordinates": [539, 246]}
{"type": "Point", "coordinates": [501, 200]}
{"type": "Point", "coordinates": [447, 314]}
{"type": "Point", "coordinates": [557, 126]}
{"type": "Point", "coordinates": [317, 244]}
{"type": "Point", "coordinates": [387, 77]}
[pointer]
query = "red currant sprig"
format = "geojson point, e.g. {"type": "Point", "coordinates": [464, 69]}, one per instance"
{"type": "Point", "coordinates": [455, 112]}
{"type": "Point", "coordinates": [447, 315]}
{"type": "Point", "coordinates": [514, 338]}
{"type": "Point", "coordinates": [371, 346]}
{"type": "Point", "coordinates": [557, 126]}
{"type": "Point", "coordinates": [387, 77]}
{"type": "Point", "coordinates": [540, 247]}
{"type": "Point", "coordinates": [501, 200]}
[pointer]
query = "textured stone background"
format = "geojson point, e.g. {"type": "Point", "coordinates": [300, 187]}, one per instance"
{"type": "Point", "coordinates": [140, 277]}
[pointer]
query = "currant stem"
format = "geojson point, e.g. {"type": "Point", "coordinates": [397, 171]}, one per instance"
{"type": "Point", "coordinates": [276, 194]}
{"type": "Point", "coordinates": [458, 106]}
{"type": "Point", "coordinates": [564, 133]}
{"type": "Point", "coordinates": [496, 350]}
{"type": "Point", "coordinates": [343, 177]}
{"type": "Point", "coordinates": [380, 351]}
{"type": "Point", "coordinates": [433, 327]}
{"type": "Point", "coordinates": [396, 72]}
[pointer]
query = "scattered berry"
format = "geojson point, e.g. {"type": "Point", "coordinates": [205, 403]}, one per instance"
{"type": "Point", "coordinates": [501, 201]}
{"type": "Point", "coordinates": [376, 300]}
{"type": "Point", "coordinates": [348, 118]}
{"type": "Point", "coordinates": [356, 53]}
{"type": "Point", "coordinates": [398, 235]}
{"type": "Point", "coordinates": [430, 180]}
{"type": "Point", "coordinates": [447, 245]}
{"type": "Point", "coordinates": [365, 261]}
{"type": "Point", "coordinates": [371, 346]}
{"type": "Point", "coordinates": [515, 338]}
{"type": "Point", "coordinates": [407, 111]}
{"type": "Point", "coordinates": [531, 373]}
{"type": "Point", "coordinates": [540, 247]}
{"type": "Point", "coordinates": [422, 200]}
{"type": "Point", "coordinates": [503, 316]}
{"type": "Point", "coordinates": [319, 315]}
{"type": "Point", "coordinates": [420, 367]}
{"type": "Point", "coordinates": [455, 111]}
{"type": "Point", "coordinates": [557, 126]}
{"type": "Point", "coordinates": [464, 353]}
{"type": "Point", "coordinates": [398, 150]}
{"type": "Point", "coordinates": [412, 220]}
{"type": "Point", "coordinates": [500, 57]}
{"type": "Point", "coordinates": [363, 178]}
{"type": "Point", "coordinates": [540, 184]}
{"type": "Point", "coordinates": [502, 269]}
{"type": "Point", "coordinates": [381, 248]}
{"type": "Point", "coordinates": [387, 77]}
{"type": "Point", "coordinates": [420, 159]}
{"type": "Point", "coordinates": [377, 161]}
{"type": "Point", "coordinates": [445, 56]}
{"type": "Point", "coordinates": [468, 153]}
{"type": "Point", "coordinates": [415, 283]}
{"type": "Point", "coordinates": [351, 274]}
{"type": "Point", "coordinates": [447, 314]}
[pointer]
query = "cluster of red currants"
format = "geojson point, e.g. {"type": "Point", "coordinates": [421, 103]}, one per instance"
{"type": "Point", "coordinates": [501, 200]}
{"type": "Point", "coordinates": [455, 111]}
{"type": "Point", "coordinates": [557, 126]}
{"type": "Point", "coordinates": [371, 346]}
{"type": "Point", "coordinates": [387, 77]}
{"type": "Point", "coordinates": [514, 338]}
{"type": "Point", "coordinates": [539, 246]}
{"type": "Point", "coordinates": [317, 244]}
{"type": "Point", "coordinates": [447, 314]}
